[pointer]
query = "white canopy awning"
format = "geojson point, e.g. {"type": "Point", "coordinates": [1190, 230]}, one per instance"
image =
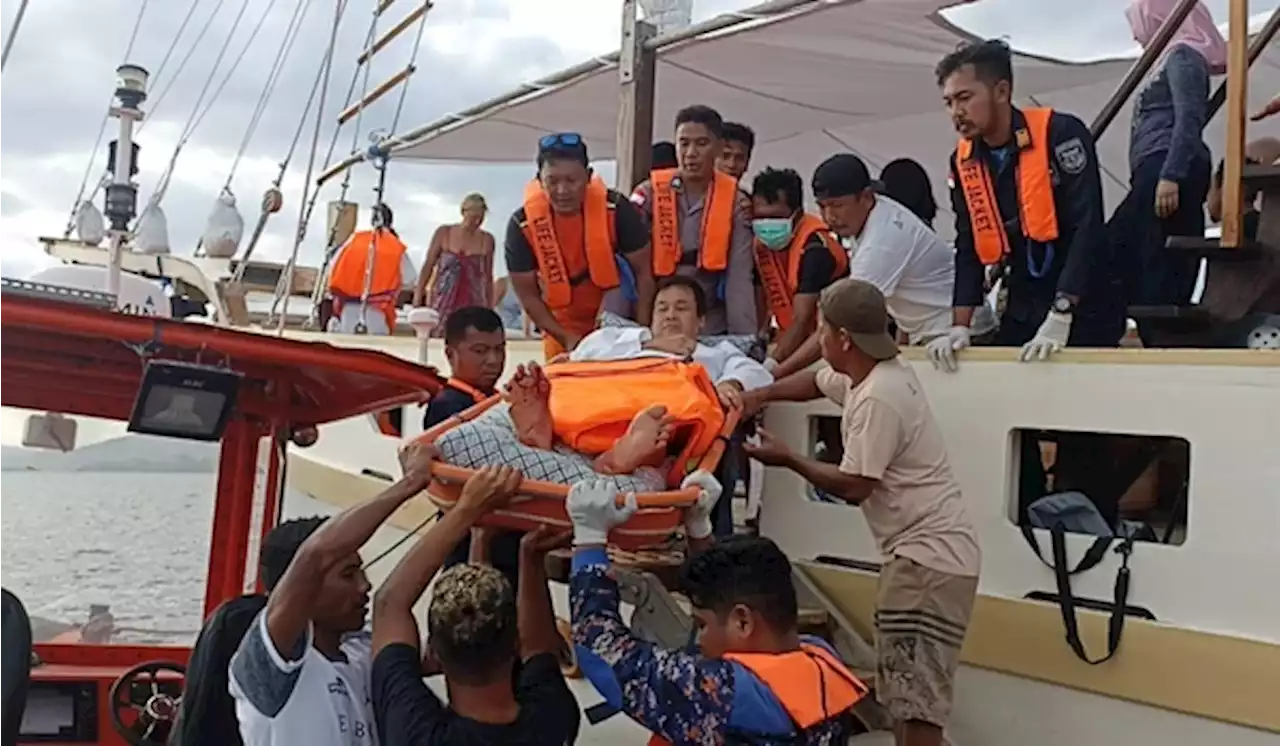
{"type": "Point", "coordinates": [812, 79]}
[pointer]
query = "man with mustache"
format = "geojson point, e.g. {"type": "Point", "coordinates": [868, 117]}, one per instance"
{"type": "Point", "coordinates": [1027, 196]}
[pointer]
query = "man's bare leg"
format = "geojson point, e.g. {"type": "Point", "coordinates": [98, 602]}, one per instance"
{"type": "Point", "coordinates": [530, 395]}
{"type": "Point", "coordinates": [647, 435]}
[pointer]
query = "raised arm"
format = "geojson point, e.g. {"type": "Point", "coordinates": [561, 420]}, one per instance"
{"type": "Point", "coordinates": [535, 615]}
{"type": "Point", "coordinates": [290, 605]}
{"type": "Point", "coordinates": [393, 620]}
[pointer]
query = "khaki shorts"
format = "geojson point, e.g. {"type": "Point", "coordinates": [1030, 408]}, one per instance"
{"type": "Point", "coordinates": [921, 619]}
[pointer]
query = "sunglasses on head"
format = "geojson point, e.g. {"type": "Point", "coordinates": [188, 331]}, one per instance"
{"type": "Point", "coordinates": [560, 140]}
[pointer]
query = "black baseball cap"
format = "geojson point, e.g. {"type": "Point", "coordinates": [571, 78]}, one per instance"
{"type": "Point", "coordinates": [840, 175]}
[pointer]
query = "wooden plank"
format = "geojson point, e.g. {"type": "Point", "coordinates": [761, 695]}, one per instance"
{"type": "Point", "coordinates": [393, 32]}
{"type": "Point", "coordinates": [637, 66]}
{"type": "Point", "coordinates": [377, 93]}
{"type": "Point", "coordinates": [1237, 98]}
{"type": "Point", "coordinates": [1212, 249]}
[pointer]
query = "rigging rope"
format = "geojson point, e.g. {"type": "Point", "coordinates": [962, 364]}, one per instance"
{"type": "Point", "coordinates": [284, 165]}
{"type": "Point", "coordinates": [102, 129]}
{"type": "Point", "coordinates": [164, 62]}
{"type": "Point", "coordinates": [330, 249]}
{"type": "Point", "coordinates": [13, 31]}
{"type": "Point", "coordinates": [286, 277]}
{"type": "Point", "coordinates": [196, 113]}
{"type": "Point", "coordinates": [413, 57]}
{"type": "Point", "coordinates": [191, 50]}
{"type": "Point", "coordinates": [273, 77]}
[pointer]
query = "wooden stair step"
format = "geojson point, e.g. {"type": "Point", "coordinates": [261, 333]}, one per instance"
{"type": "Point", "coordinates": [1264, 176]}
{"type": "Point", "coordinates": [1211, 249]}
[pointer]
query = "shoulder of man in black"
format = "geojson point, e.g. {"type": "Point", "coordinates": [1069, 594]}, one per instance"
{"type": "Point", "coordinates": [542, 693]}
{"type": "Point", "coordinates": [405, 710]}
{"type": "Point", "coordinates": [817, 267]}
{"type": "Point", "coordinates": [447, 403]}
{"type": "Point", "coordinates": [515, 246]}
{"type": "Point", "coordinates": [630, 228]}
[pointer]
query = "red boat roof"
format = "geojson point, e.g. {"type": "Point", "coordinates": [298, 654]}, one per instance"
{"type": "Point", "coordinates": [60, 356]}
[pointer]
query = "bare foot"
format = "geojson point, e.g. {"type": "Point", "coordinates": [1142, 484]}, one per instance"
{"type": "Point", "coordinates": [647, 435]}
{"type": "Point", "coordinates": [530, 394]}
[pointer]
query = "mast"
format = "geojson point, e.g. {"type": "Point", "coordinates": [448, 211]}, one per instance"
{"type": "Point", "coordinates": [637, 65]}
{"type": "Point", "coordinates": [121, 199]}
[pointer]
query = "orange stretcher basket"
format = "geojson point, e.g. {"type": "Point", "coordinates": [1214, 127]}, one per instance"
{"type": "Point", "coordinates": [541, 503]}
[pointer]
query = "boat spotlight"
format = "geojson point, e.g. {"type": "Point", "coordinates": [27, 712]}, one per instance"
{"type": "Point", "coordinates": [184, 400]}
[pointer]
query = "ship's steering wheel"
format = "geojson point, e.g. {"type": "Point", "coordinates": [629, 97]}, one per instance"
{"type": "Point", "coordinates": [155, 712]}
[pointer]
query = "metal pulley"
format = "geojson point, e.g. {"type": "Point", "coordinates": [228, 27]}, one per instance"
{"type": "Point", "coordinates": [272, 200]}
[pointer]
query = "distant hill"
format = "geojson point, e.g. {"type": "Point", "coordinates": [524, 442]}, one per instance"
{"type": "Point", "coordinates": [130, 453]}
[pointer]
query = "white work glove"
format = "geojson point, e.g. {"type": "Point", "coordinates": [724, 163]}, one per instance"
{"type": "Point", "coordinates": [697, 517]}
{"type": "Point", "coordinates": [770, 364]}
{"type": "Point", "coordinates": [593, 507]}
{"type": "Point", "coordinates": [1051, 337]}
{"type": "Point", "coordinates": [942, 350]}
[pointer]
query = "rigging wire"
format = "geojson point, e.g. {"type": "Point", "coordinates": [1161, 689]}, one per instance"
{"type": "Point", "coordinates": [102, 130]}
{"type": "Point", "coordinates": [173, 45]}
{"type": "Point", "coordinates": [196, 113]}
{"type": "Point", "coordinates": [13, 32]}
{"type": "Point", "coordinates": [273, 77]}
{"type": "Point", "coordinates": [283, 169]}
{"type": "Point", "coordinates": [286, 277]}
{"type": "Point", "coordinates": [318, 291]}
{"type": "Point", "coordinates": [404, 89]}
{"type": "Point", "coordinates": [191, 50]}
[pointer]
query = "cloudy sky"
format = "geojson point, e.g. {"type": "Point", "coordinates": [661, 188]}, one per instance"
{"type": "Point", "coordinates": [61, 73]}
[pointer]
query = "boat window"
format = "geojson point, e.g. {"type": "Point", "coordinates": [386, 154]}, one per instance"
{"type": "Point", "coordinates": [1097, 482]}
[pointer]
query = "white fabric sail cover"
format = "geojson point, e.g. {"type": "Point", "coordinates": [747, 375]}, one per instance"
{"type": "Point", "coordinates": [90, 227]}
{"type": "Point", "coordinates": [224, 229]}
{"type": "Point", "coordinates": [826, 77]}
{"type": "Point", "coordinates": [151, 234]}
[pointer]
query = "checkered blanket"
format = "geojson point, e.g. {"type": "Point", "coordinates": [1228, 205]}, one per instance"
{"type": "Point", "coordinates": [490, 440]}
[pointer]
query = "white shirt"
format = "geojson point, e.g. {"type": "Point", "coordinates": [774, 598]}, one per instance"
{"type": "Point", "coordinates": [724, 362]}
{"type": "Point", "coordinates": [914, 269]}
{"type": "Point", "coordinates": [310, 701]}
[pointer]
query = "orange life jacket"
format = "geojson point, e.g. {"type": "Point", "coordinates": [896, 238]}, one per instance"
{"type": "Point", "coordinates": [593, 403]}
{"type": "Point", "coordinates": [1036, 211]}
{"type": "Point", "coordinates": [780, 270]}
{"type": "Point", "coordinates": [346, 279]}
{"type": "Point", "coordinates": [466, 388]}
{"type": "Point", "coordinates": [717, 223]}
{"type": "Point", "coordinates": [812, 685]}
{"type": "Point", "coordinates": [569, 251]}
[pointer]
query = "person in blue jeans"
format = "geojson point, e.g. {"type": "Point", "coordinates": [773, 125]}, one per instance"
{"type": "Point", "coordinates": [1170, 165]}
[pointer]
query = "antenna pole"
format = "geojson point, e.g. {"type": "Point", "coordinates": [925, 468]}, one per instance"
{"type": "Point", "coordinates": [121, 200]}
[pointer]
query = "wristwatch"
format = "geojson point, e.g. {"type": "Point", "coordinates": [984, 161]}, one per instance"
{"type": "Point", "coordinates": [1063, 304]}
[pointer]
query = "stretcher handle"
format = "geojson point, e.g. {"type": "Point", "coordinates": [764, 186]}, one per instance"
{"type": "Point", "coordinates": [538, 488]}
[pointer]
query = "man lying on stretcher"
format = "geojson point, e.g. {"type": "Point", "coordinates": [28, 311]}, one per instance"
{"type": "Point", "coordinates": [679, 306]}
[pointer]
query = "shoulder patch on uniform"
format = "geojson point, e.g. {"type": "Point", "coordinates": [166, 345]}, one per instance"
{"type": "Point", "coordinates": [639, 196]}
{"type": "Point", "coordinates": [1071, 156]}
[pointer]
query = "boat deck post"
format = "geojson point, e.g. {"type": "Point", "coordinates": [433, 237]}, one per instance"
{"type": "Point", "coordinates": [637, 73]}
{"type": "Point", "coordinates": [1237, 99]}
